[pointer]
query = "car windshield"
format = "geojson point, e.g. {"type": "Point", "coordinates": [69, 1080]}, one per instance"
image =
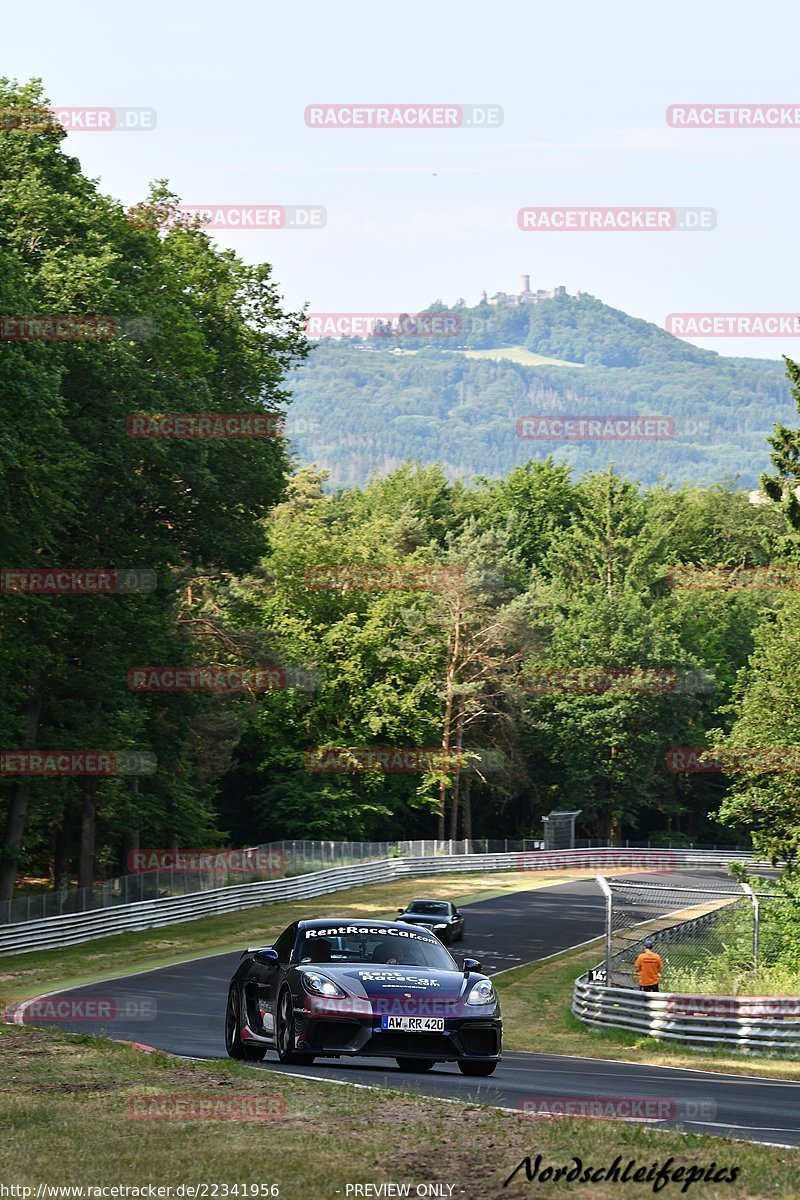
{"type": "Point", "coordinates": [431, 907]}
{"type": "Point", "coordinates": [370, 944]}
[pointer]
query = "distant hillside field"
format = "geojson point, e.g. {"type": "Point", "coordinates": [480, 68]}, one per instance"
{"type": "Point", "coordinates": [366, 405]}
{"type": "Point", "coordinates": [517, 354]}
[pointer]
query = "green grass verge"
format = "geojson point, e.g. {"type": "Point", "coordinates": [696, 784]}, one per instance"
{"type": "Point", "coordinates": [536, 1001]}
{"type": "Point", "coordinates": [24, 975]}
{"type": "Point", "coordinates": [66, 1106]}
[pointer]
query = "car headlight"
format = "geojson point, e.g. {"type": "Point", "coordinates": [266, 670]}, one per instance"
{"type": "Point", "coordinates": [481, 993]}
{"type": "Point", "coordinates": [444, 926]}
{"type": "Point", "coordinates": [320, 985]}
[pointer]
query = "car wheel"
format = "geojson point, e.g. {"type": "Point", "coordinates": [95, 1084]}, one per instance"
{"type": "Point", "coordinates": [284, 1033]}
{"type": "Point", "coordinates": [477, 1068]}
{"type": "Point", "coordinates": [234, 1045]}
{"type": "Point", "coordinates": [461, 935]}
{"type": "Point", "coordinates": [415, 1064]}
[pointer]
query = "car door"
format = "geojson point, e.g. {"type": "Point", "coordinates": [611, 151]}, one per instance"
{"type": "Point", "coordinates": [269, 975]}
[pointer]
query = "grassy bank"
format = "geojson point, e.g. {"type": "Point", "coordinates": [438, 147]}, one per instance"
{"type": "Point", "coordinates": [72, 1114]}
{"type": "Point", "coordinates": [536, 1002]}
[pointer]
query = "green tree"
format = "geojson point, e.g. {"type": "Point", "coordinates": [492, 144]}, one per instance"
{"type": "Point", "coordinates": [766, 701]}
{"type": "Point", "coordinates": [782, 487]}
{"type": "Point", "coordinates": [219, 342]}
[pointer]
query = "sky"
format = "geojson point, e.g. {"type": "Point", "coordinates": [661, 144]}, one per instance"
{"type": "Point", "coordinates": [414, 215]}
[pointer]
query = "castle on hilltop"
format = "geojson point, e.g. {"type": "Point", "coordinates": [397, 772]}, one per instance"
{"type": "Point", "coordinates": [524, 296]}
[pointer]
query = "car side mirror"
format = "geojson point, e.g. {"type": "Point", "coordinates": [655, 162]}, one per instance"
{"type": "Point", "coordinates": [266, 957]}
{"type": "Point", "coordinates": [472, 964]}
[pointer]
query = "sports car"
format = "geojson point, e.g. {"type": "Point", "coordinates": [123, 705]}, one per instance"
{"type": "Point", "coordinates": [333, 988]}
{"type": "Point", "coordinates": [440, 916]}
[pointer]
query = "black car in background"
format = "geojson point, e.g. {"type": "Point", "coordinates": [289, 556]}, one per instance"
{"type": "Point", "coordinates": [440, 916]}
{"type": "Point", "coordinates": [330, 988]}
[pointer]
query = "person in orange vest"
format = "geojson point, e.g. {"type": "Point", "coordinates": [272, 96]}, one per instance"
{"type": "Point", "coordinates": [648, 967]}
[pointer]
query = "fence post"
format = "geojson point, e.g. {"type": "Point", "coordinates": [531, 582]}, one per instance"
{"type": "Point", "coordinates": [606, 890]}
{"type": "Point", "coordinates": [754, 898]}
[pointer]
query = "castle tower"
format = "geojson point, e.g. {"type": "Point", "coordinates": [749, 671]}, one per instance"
{"type": "Point", "coordinates": [524, 284]}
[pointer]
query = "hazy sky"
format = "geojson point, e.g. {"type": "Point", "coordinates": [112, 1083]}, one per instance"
{"type": "Point", "coordinates": [413, 215]}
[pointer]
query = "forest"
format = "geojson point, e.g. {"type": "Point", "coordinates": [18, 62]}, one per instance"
{"type": "Point", "coordinates": [440, 648]}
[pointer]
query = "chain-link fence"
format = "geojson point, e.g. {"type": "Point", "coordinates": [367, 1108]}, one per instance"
{"type": "Point", "coordinates": [711, 939]}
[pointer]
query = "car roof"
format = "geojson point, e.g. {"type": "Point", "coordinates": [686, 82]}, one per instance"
{"type": "Point", "coordinates": [333, 923]}
{"type": "Point", "coordinates": [327, 922]}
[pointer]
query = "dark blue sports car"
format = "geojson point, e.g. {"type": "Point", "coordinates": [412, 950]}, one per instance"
{"type": "Point", "coordinates": [331, 987]}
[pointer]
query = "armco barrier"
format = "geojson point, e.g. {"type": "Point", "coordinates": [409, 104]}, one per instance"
{"type": "Point", "coordinates": [749, 1023]}
{"type": "Point", "coordinates": [68, 930]}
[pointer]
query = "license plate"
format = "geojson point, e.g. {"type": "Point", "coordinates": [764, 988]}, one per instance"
{"type": "Point", "coordinates": [414, 1024]}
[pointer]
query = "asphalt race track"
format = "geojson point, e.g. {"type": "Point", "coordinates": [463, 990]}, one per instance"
{"type": "Point", "coordinates": [188, 1001]}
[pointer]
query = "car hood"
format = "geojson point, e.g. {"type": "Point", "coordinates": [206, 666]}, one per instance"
{"type": "Point", "coordinates": [373, 988]}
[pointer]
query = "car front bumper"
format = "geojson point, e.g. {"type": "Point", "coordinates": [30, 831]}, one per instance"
{"type": "Point", "coordinates": [463, 1038]}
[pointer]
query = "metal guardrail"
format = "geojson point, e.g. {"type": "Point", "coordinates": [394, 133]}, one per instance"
{"type": "Point", "coordinates": [181, 872]}
{"type": "Point", "coordinates": [740, 1022]}
{"type": "Point", "coordinates": [175, 872]}
{"type": "Point", "coordinates": [52, 932]}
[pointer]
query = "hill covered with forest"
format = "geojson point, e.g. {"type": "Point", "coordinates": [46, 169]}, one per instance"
{"type": "Point", "coordinates": [366, 404]}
